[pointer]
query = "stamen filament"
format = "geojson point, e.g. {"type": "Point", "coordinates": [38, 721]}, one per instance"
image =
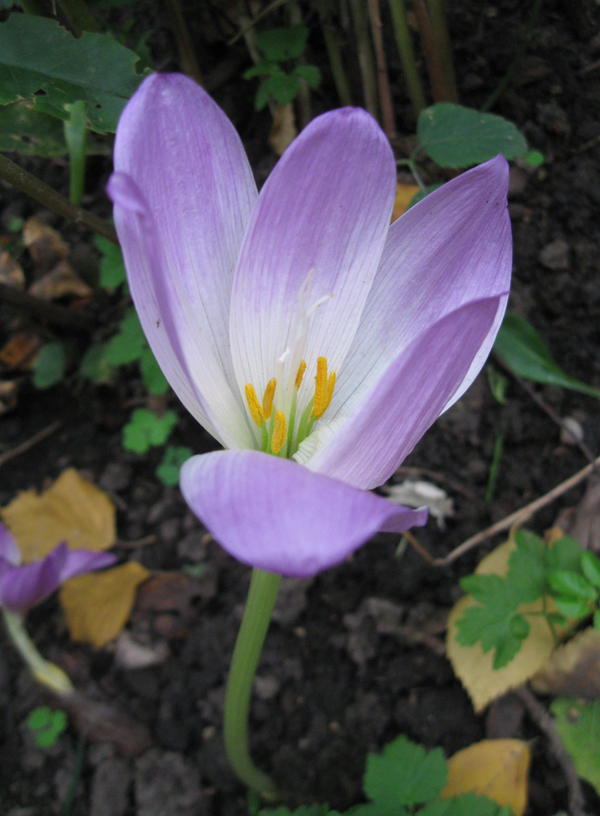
{"type": "Point", "coordinates": [279, 432]}
{"type": "Point", "coordinates": [254, 405]}
{"type": "Point", "coordinates": [267, 403]}
{"type": "Point", "coordinates": [302, 433]}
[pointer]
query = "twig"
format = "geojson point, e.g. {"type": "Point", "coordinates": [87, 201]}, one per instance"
{"type": "Point", "coordinates": [515, 518]}
{"type": "Point", "coordinates": [44, 194]}
{"type": "Point", "coordinates": [385, 96]}
{"type": "Point", "coordinates": [29, 443]}
{"type": "Point", "coordinates": [334, 52]}
{"type": "Point", "coordinates": [365, 56]}
{"type": "Point", "coordinates": [187, 54]}
{"type": "Point", "coordinates": [43, 309]}
{"type": "Point", "coordinates": [251, 23]}
{"type": "Point", "coordinates": [545, 723]}
{"type": "Point", "coordinates": [441, 37]}
{"type": "Point", "coordinates": [407, 55]}
{"type": "Point", "coordinates": [434, 66]}
{"type": "Point", "coordinates": [431, 474]}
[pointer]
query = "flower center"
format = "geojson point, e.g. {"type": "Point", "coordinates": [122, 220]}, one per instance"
{"type": "Point", "coordinates": [281, 429]}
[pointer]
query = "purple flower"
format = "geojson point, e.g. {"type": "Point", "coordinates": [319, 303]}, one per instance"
{"type": "Point", "coordinates": [298, 322]}
{"type": "Point", "coordinates": [25, 585]}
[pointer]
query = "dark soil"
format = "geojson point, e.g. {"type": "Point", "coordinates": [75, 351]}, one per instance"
{"type": "Point", "coordinates": [330, 688]}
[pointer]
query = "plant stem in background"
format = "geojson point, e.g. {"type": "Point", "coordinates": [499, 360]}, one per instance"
{"type": "Point", "coordinates": [45, 195]}
{"type": "Point", "coordinates": [434, 65]}
{"type": "Point", "coordinates": [76, 138]}
{"type": "Point", "coordinates": [303, 98]}
{"type": "Point", "coordinates": [385, 96]}
{"type": "Point", "coordinates": [365, 56]}
{"type": "Point", "coordinates": [441, 37]}
{"type": "Point", "coordinates": [76, 778]}
{"type": "Point", "coordinates": [407, 56]}
{"type": "Point", "coordinates": [257, 615]}
{"type": "Point", "coordinates": [495, 466]}
{"type": "Point", "coordinates": [44, 672]}
{"type": "Point", "coordinates": [187, 54]}
{"type": "Point", "coordinates": [79, 16]}
{"type": "Point", "coordinates": [334, 52]}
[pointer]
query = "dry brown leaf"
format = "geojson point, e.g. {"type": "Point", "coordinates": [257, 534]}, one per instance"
{"type": "Point", "coordinates": [105, 722]}
{"type": "Point", "coordinates": [61, 282]}
{"type": "Point", "coordinates": [474, 667]}
{"type": "Point", "coordinates": [404, 195]}
{"type": "Point", "coordinates": [72, 510]}
{"type": "Point", "coordinates": [11, 272]}
{"type": "Point", "coordinates": [9, 390]}
{"type": "Point", "coordinates": [97, 605]}
{"type": "Point", "coordinates": [284, 129]}
{"type": "Point", "coordinates": [45, 245]}
{"type": "Point", "coordinates": [493, 768]}
{"type": "Point", "coordinates": [573, 670]}
{"type": "Point", "coordinates": [21, 350]}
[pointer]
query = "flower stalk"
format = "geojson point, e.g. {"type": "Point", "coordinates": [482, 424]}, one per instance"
{"type": "Point", "coordinates": [248, 647]}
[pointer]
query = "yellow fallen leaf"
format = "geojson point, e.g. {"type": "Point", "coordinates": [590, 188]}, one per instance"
{"type": "Point", "coordinates": [404, 195]}
{"type": "Point", "coordinates": [97, 605]}
{"type": "Point", "coordinates": [71, 510]}
{"type": "Point", "coordinates": [493, 768]}
{"type": "Point", "coordinates": [573, 670]}
{"type": "Point", "coordinates": [474, 667]}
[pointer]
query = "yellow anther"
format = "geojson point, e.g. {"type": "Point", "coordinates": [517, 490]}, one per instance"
{"type": "Point", "coordinates": [320, 388]}
{"type": "Point", "coordinates": [279, 432]}
{"type": "Point", "coordinates": [254, 405]}
{"type": "Point", "coordinates": [300, 374]}
{"type": "Point", "coordinates": [267, 404]}
{"type": "Point", "coordinates": [330, 387]}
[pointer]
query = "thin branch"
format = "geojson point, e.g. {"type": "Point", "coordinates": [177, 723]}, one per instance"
{"type": "Point", "coordinates": [434, 66]}
{"type": "Point", "coordinates": [385, 96]}
{"type": "Point", "coordinates": [29, 443]}
{"type": "Point", "coordinates": [246, 26]}
{"type": "Point", "coordinates": [407, 56]}
{"type": "Point", "coordinates": [185, 48]}
{"type": "Point", "coordinates": [12, 173]}
{"type": "Point", "coordinates": [44, 310]}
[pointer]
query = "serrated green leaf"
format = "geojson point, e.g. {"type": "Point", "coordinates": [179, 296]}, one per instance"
{"type": "Point", "coordinates": [590, 566]}
{"type": "Point", "coordinates": [404, 775]}
{"type": "Point", "coordinates": [262, 68]}
{"type": "Point", "coordinates": [490, 626]}
{"type": "Point", "coordinates": [40, 57]}
{"type": "Point", "coordinates": [310, 74]}
{"type": "Point", "coordinates": [578, 725]}
{"type": "Point", "coordinates": [168, 470]}
{"type": "Point", "coordinates": [127, 345]}
{"type": "Point", "coordinates": [112, 267]}
{"type": "Point", "coordinates": [521, 348]}
{"type": "Point", "coordinates": [458, 137]}
{"type": "Point", "coordinates": [93, 365]}
{"type": "Point", "coordinates": [30, 132]}
{"type": "Point", "coordinates": [467, 804]}
{"type": "Point", "coordinates": [572, 607]}
{"type": "Point", "coordinates": [154, 380]}
{"type": "Point", "coordinates": [526, 567]}
{"type": "Point", "coordinates": [569, 583]}
{"type": "Point", "coordinates": [50, 365]}
{"type": "Point", "coordinates": [262, 96]}
{"type": "Point", "coordinates": [146, 430]}
{"type": "Point", "coordinates": [282, 87]}
{"type": "Point", "coordinates": [282, 44]}
{"type": "Point", "coordinates": [564, 554]}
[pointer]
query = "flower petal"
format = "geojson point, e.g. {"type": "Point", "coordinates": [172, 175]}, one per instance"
{"type": "Point", "coordinates": [391, 418]}
{"type": "Point", "coordinates": [9, 549]}
{"type": "Point", "coordinates": [273, 514]}
{"type": "Point", "coordinates": [25, 586]}
{"type": "Point", "coordinates": [453, 247]}
{"type": "Point", "coordinates": [79, 562]}
{"type": "Point", "coordinates": [183, 193]}
{"type": "Point", "coordinates": [324, 210]}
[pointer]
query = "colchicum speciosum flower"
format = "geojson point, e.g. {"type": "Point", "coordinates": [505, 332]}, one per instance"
{"type": "Point", "coordinates": [312, 339]}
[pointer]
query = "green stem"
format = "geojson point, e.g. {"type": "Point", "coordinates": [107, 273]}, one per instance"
{"type": "Point", "coordinates": [44, 672]}
{"type": "Point", "coordinates": [439, 26]}
{"type": "Point", "coordinates": [334, 52]}
{"type": "Point", "coordinates": [76, 138]}
{"type": "Point", "coordinates": [407, 55]}
{"type": "Point", "coordinates": [432, 58]}
{"type": "Point", "coordinates": [248, 647]}
{"type": "Point", "coordinates": [385, 95]}
{"type": "Point", "coordinates": [365, 56]}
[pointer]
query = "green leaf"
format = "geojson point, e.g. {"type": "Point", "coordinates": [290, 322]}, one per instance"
{"type": "Point", "coordinates": [572, 607]}
{"type": "Point", "coordinates": [567, 582]}
{"type": "Point", "coordinates": [597, 619]}
{"type": "Point", "coordinates": [467, 804]}
{"type": "Point", "coordinates": [146, 430]}
{"type": "Point", "coordinates": [40, 717]}
{"type": "Point", "coordinates": [282, 88]}
{"type": "Point", "coordinates": [527, 568]}
{"type": "Point", "coordinates": [521, 348]}
{"type": "Point", "coordinates": [50, 365]}
{"type": "Point", "coordinates": [112, 268]}
{"type": "Point", "coordinates": [282, 44]}
{"type": "Point", "coordinates": [154, 380]}
{"type": "Point", "coordinates": [578, 725]}
{"type": "Point", "coordinates": [303, 810]}
{"type": "Point", "coordinates": [534, 158]}
{"type": "Point", "coordinates": [310, 74]}
{"type": "Point", "coordinates": [126, 346]}
{"type": "Point", "coordinates": [454, 136]}
{"type": "Point", "coordinates": [498, 384]}
{"type": "Point", "coordinates": [590, 566]}
{"type": "Point", "coordinates": [168, 470]}
{"type": "Point", "coordinates": [47, 725]}
{"type": "Point", "coordinates": [29, 132]}
{"type": "Point", "coordinates": [564, 554]}
{"type": "Point", "coordinates": [94, 366]}
{"type": "Point", "coordinates": [404, 774]}
{"type": "Point", "coordinates": [262, 68]}
{"type": "Point", "coordinates": [262, 96]}
{"type": "Point", "coordinates": [42, 62]}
